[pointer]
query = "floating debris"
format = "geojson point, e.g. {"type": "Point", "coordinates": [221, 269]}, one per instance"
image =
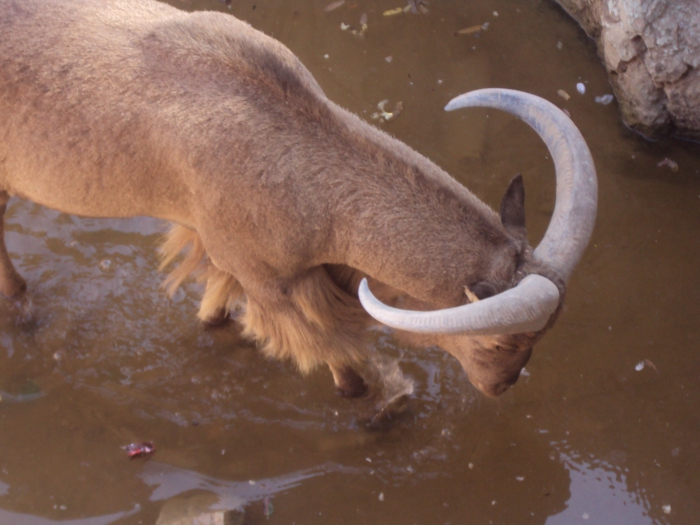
{"type": "Point", "coordinates": [392, 12]}
{"type": "Point", "coordinates": [560, 45]}
{"type": "Point", "coordinates": [105, 264]}
{"type": "Point", "coordinates": [668, 162]}
{"type": "Point", "coordinates": [384, 115]}
{"type": "Point", "coordinates": [344, 26]}
{"type": "Point", "coordinates": [333, 6]}
{"type": "Point", "coordinates": [389, 59]}
{"type": "Point", "coordinates": [581, 88]}
{"type": "Point", "coordinates": [136, 450]}
{"type": "Point", "coordinates": [651, 365]}
{"type": "Point", "coordinates": [563, 94]}
{"type": "Point", "coordinates": [666, 509]}
{"type": "Point", "coordinates": [604, 99]}
{"type": "Point", "coordinates": [470, 30]}
{"type": "Point", "coordinates": [640, 366]}
{"type": "Point", "coordinates": [417, 6]}
{"type": "Point", "coordinates": [381, 496]}
{"type": "Point", "coordinates": [363, 24]}
{"type": "Point", "coordinates": [495, 13]}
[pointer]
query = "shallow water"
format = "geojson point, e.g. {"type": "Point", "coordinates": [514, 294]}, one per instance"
{"type": "Point", "coordinates": [584, 437]}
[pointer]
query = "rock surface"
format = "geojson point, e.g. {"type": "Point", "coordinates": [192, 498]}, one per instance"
{"type": "Point", "coordinates": [201, 509]}
{"type": "Point", "coordinates": [651, 49]}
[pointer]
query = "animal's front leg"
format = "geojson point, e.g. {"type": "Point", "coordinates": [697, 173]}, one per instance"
{"type": "Point", "coordinates": [12, 284]}
{"type": "Point", "coordinates": [348, 382]}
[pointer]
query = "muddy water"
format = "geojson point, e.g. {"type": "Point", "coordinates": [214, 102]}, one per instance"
{"type": "Point", "coordinates": [603, 429]}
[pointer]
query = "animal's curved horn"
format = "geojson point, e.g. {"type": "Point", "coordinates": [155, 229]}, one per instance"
{"type": "Point", "coordinates": [528, 306]}
{"type": "Point", "coordinates": [525, 308]}
{"type": "Point", "coordinates": [577, 186]}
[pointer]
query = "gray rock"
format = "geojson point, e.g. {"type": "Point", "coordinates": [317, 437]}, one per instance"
{"type": "Point", "coordinates": [651, 49]}
{"type": "Point", "coordinates": [202, 509]}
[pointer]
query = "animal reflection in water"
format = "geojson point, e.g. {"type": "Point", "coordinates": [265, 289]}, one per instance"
{"type": "Point", "coordinates": [312, 220]}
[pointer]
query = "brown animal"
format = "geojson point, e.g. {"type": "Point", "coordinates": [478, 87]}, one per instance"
{"type": "Point", "coordinates": [282, 200]}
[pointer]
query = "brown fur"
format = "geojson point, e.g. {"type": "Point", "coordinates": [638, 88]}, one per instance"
{"type": "Point", "coordinates": [283, 201]}
{"type": "Point", "coordinates": [321, 324]}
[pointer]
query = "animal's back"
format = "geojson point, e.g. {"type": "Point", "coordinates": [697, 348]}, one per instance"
{"type": "Point", "coordinates": [99, 99]}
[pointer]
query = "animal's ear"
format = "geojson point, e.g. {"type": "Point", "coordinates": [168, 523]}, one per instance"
{"type": "Point", "coordinates": [513, 204]}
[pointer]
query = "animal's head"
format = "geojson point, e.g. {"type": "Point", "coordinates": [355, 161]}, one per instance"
{"type": "Point", "coordinates": [493, 334]}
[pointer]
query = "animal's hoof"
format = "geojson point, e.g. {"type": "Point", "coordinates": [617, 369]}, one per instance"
{"type": "Point", "coordinates": [358, 391]}
{"type": "Point", "coordinates": [13, 288]}
{"type": "Point", "coordinates": [349, 383]}
{"type": "Point", "coordinates": [219, 319]}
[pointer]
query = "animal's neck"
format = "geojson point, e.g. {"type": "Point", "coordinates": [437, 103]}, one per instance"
{"type": "Point", "coordinates": [413, 227]}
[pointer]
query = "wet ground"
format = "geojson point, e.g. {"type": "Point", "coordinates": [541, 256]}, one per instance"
{"type": "Point", "coordinates": [603, 428]}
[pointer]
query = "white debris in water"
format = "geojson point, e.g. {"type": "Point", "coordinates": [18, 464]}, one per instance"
{"type": "Point", "coordinates": [524, 372]}
{"type": "Point", "coordinates": [666, 509]}
{"type": "Point", "coordinates": [251, 482]}
{"type": "Point", "coordinates": [520, 478]}
{"type": "Point", "coordinates": [585, 515]}
{"type": "Point", "coordinates": [326, 56]}
{"type": "Point", "coordinates": [471, 465]}
{"type": "Point", "coordinates": [604, 99]}
{"type": "Point", "coordinates": [389, 59]}
{"type": "Point", "coordinates": [640, 366]}
{"type": "Point", "coordinates": [581, 88]}
{"type": "Point", "coordinates": [368, 460]}
{"type": "Point", "coordinates": [560, 45]}
{"type": "Point", "coordinates": [381, 496]}
{"type": "Point", "coordinates": [105, 264]}
{"type": "Point", "coordinates": [495, 13]}
{"type": "Point", "coordinates": [344, 26]}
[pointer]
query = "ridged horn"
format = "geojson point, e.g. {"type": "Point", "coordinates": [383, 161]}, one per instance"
{"type": "Point", "coordinates": [525, 308]}
{"type": "Point", "coordinates": [528, 306]}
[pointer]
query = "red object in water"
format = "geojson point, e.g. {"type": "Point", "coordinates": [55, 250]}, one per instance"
{"type": "Point", "coordinates": [136, 450]}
